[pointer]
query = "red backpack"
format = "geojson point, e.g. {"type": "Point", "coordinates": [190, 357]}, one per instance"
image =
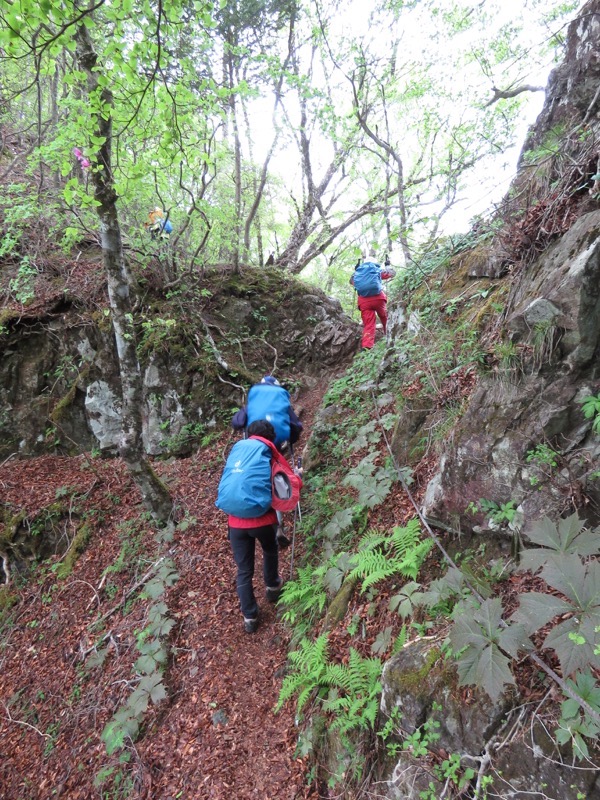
{"type": "Point", "coordinates": [285, 484]}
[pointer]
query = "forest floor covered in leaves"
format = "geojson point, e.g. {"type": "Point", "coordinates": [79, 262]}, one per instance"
{"type": "Point", "coordinates": [216, 735]}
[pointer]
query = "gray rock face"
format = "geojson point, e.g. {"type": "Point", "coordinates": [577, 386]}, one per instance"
{"type": "Point", "coordinates": [553, 316]}
{"type": "Point", "coordinates": [59, 380]}
{"type": "Point", "coordinates": [103, 409]}
{"type": "Point", "coordinates": [420, 691]}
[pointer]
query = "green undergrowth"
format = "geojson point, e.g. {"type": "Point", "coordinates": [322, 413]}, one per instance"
{"type": "Point", "coordinates": [350, 559]}
{"type": "Point", "coordinates": [367, 587]}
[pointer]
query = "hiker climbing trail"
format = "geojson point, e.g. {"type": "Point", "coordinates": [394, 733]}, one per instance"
{"type": "Point", "coordinates": [215, 735]}
{"type": "Point", "coordinates": [221, 734]}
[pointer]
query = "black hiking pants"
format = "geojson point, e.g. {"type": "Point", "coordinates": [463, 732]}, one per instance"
{"type": "Point", "coordinates": [243, 544]}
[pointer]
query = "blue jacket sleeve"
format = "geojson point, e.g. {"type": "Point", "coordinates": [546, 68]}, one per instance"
{"type": "Point", "coordinates": [240, 418]}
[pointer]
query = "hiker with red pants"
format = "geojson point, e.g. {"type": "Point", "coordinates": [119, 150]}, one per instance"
{"type": "Point", "coordinates": [271, 401]}
{"type": "Point", "coordinates": [246, 495]}
{"type": "Point", "coordinates": [372, 301]}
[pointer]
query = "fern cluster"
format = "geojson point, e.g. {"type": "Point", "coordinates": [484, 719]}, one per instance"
{"type": "Point", "coordinates": [348, 692]}
{"type": "Point", "coordinates": [304, 598]}
{"type": "Point", "coordinates": [379, 556]}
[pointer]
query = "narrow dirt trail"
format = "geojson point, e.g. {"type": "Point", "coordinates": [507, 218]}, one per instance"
{"type": "Point", "coordinates": [216, 736]}
{"type": "Point", "coordinates": [220, 738]}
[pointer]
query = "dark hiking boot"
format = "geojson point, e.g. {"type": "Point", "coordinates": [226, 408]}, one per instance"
{"type": "Point", "coordinates": [250, 625]}
{"type": "Point", "coordinates": [273, 592]}
{"type": "Point", "coordinates": [282, 539]}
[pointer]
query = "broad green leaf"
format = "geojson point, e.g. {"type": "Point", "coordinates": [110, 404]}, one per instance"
{"type": "Point", "coordinates": [466, 632]}
{"type": "Point", "coordinates": [545, 533]}
{"type": "Point", "coordinates": [157, 611]}
{"type": "Point", "coordinates": [579, 582]}
{"type": "Point", "coordinates": [367, 434]}
{"type": "Point", "coordinates": [339, 522]}
{"type": "Point", "coordinates": [372, 493]}
{"type": "Point", "coordinates": [586, 686]}
{"type": "Point", "coordinates": [154, 648]}
{"type": "Point", "coordinates": [454, 579]}
{"type": "Point", "coordinates": [333, 579]}
{"type": "Point", "coordinates": [573, 656]}
{"type": "Point", "coordinates": [158, 693]}
{"type": "Point", "coordinates": [513, 639]}
{"type": "Point", "coordinates": [537, 609]}
{"type": "Point", "coordinates": [402, 602]}
{"type": "Point", "coordinates": [154, 588]}
{"type": "Point", "coordinates": [477, 633]}
{"type": "Point", "coordinates": [382, 641]}
{"type": "Point", "coordinates": [493, 672]}
{"type": "Point", "coordinates": [569, 537]}
{"type": "Point", "coordinates": [146, 664]}
{"type": "Point", "coordinates": [161, 627]}
{"type": "Point", "coordinates": [489, 616]}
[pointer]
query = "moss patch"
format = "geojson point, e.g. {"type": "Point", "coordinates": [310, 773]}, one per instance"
{"type": "Point", "coordinates": [339, 605]}
{"type": "Point", "coordinates": [414, 681]}
{"type": "Point", "coordinates": [7, 600]}
{"type": "Point", "coordinates": [59, 410]}
{"type": "Point", "coordinates": [78, 545]}
{"type": "Point", "coordinates": [9, 525]}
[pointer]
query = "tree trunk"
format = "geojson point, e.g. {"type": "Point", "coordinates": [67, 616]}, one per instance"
{"type": "Point", "coordinates": [155, 495]}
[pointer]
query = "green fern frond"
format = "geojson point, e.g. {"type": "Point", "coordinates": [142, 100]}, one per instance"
{"type": "Point", "coordinates": [338, 675]}
{"type": "Point", "coordinates": [303, 698]}
{"type": "Point", "coordinates": [310, 664]}
{"type": "Point", "coordinates": [365, 672]}
{"type": "Point", "coordinates": [372, 539]}
{"type": "Point", "coordinates": [372, 567]}
{"type": "Point", "coordinates": [381, 555]}
{"type": "Point", "coordinates": [305, 596]}
{"type": "Point", "coordinates": [405, 539]}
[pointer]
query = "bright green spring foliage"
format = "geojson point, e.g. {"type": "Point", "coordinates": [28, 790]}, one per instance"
{"type": "Point", "coordinates": [350, 692]}
{"type": "Point", "coordinates": [380, 556]}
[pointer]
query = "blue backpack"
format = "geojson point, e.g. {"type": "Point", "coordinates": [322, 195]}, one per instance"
{"type": "Point", "coordinates": [367, 279]}
{"type": "Point", "coordinates": [245, 486]}
{"type": "Point", "coordinates": [272, 403]}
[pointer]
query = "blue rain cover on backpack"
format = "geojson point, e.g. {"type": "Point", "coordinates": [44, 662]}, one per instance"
{"type": "Point", "coordinates": [245, 485]}
{"type": "Point", "coordinates": [272, 403]}
{"type": "Point", "coordinates": [367, 279]}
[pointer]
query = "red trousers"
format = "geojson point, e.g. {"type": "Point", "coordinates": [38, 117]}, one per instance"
{"type": "Point", "coordinates": [369, 307]}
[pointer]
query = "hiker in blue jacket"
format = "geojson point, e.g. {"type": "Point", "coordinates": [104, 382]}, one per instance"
{"type": "Point", "coordinates": [247, 479]}
{"type": "Point", "coordinates": [372, 300]}
{"type": "Point", "coordinates": [269, 400]}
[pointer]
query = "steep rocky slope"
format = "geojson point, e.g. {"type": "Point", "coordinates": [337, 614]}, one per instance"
{"type": "Point", "coordinates": [544, 265]}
